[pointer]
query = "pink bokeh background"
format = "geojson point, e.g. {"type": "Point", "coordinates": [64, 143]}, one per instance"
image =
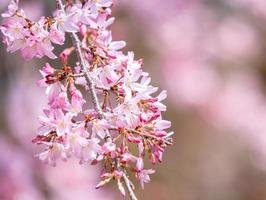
{"type": "Point", "coordinates": [209, 54]}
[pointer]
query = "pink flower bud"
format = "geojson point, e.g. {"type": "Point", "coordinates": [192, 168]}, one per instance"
{"type": "Point", "coordinates": [139, 164]}
{"type": "Point", "coordinates": [83, 29]}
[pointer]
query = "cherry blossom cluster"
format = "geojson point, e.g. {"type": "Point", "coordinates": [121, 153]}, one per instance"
{"type": "Point", "coordinates": [122, 124]}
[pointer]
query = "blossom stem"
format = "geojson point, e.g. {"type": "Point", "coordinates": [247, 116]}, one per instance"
{"type": "Point", "coordinates": [76, 42]}
{"type": "Point", "coordinates": [167, 142]}
{"type": "Point", "coordinates": [151, 136]}
{"type": "Point", "coordinates": [77, 75]}
{"type": "Point", "coordinates": [129, 187]}
{"type": "Point", "coordinates": [84, 66]}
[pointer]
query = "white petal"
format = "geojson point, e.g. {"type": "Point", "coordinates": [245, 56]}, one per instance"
{"type": "Point", "coordinates": [117, 45]}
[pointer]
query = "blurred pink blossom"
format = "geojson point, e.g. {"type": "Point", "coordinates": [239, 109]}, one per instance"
{"type": "Point", "coordinates": [17, 174]}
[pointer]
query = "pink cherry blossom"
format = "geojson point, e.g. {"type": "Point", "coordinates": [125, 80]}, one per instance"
{"type": "Point", "coordinates": [143, 176]}
{"type": "Point", "coordinates": [12, 9]}
{"type": "Point", "coordinates": [121, 111]}
{"type": "Point", "coordinates": [84, 149]}
{"type": "Point", "coordinates": [55, 152]}
{"type": "Point", "coordinates": [65, 22]}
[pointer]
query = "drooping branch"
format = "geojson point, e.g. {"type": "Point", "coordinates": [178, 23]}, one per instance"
{"type": "Point", "coordinates": [104, 133]}
{"type": "Point", "coordinates": [77, 43]}
{"type": "Point", "coordinates": [92, 89]}
{"type": "Point", "coordinates": [91, 83]}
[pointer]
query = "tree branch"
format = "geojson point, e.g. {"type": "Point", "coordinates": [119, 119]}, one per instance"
{"type": "Point", "coordinates": [91, 84]}
{"type": "Point", "coordinates": [77, 43]}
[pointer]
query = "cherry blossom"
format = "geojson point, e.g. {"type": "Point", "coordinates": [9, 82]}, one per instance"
{"type": "Point", "coordinates": [143, 176]}
{"type": "Point", "coordinates": [121, 110]}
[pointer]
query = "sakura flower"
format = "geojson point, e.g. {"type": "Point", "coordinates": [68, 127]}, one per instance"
{"type": "Point", "coordinates": [84, 149]}
{"type": "Point", "coordinates": [139, 164]}
{"type": "Point", "coordinates": [122, 112]}
{"type": "Point", "coordinates": [82, 81]}
{"type": "Point", "coordinates": [65, 54]}
{"type": "Point", "coordinates": [128, 111]}
{"type": "Point", "coordinates": [99, 128]}
{"type": "Point", "coordinates": [57, 121]}
{"type": "Point", "coordinates": [77, 102]}
{"type": "Point", "coordinates": [126, 157]}
{"type": "Point", "coordinates": [16, 45]}
{"type": "Point", "coordinates": [55, 152]}
{"type": "Point", "coordinates": [12, 9]}
{"type": "Point", "coordinates": [63, 123]}
{"type": "Point", "coordinates": [109, 46]}
{"type": "Point", "coordinates": [143, 176]}
{"type": "Point", "coordinates": [57, 96]}
{"type": "Point", "coordinates": [131, 63]}
{"type": "Point", "coordinates": [160, 98]}
{"type": "Point", "coordinates": [14, 33]}
{"type": "Point", "coordinates": [30, 37]}
{"type": "Point", "coordinates": [38, 48]}
{"type": "Point", "coordinates": [56, 35]}
{"type": "Point", "coordinates": [65, 22]}
{"type": "Point", "coordinates": [130, 82]}
{"type": "Point", "coordinates": [108, 75]}
{"type": "Point", "coordinates": [116, 45]}
{"type": "Point", "coordinates": [106, 149]}
{"type": "Point", "coordinates": [95, 5]}
{"type": "Point", "coordinates": [102, 22]}
{"type": "Point", "coordinates": [47, 72]}
{"type": "Point", "coordinates": [14, 28]}
{"type": "Point", "coordinates": [162, 124]}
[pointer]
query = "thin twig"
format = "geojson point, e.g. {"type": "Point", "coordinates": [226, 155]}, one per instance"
{"type": "Point", "coordinates": [91, 83]}
{"type": "Point", "coordinates": [151, 136]}
{"type": "Point", "coordinates": [167, 142]}
{"type": "Point", "coordinates": [77, 75]}
{"type": "Point", "coordinates": [76, 42]}
{"type": "Point", "coordinates": [129, 187]}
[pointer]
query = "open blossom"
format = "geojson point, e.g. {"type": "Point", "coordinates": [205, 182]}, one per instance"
{"type": "Point", "coordinates": [142, 174]}
{"type": "Point", "coordinates": [123, 110]}
{"type": "Point", "coordinates": [144, 177]}
{"type": "Point", "coordinates": [31, 38]}
{"type": "Point", "coordinates": [52, 154]}
{"type": "Point", "coordinates": [77, 102]}
{"type": "Point", "coordinates": [65, 22]}
{"type": "Point", "coordinates": [57, 121]}
{"type": "Point", "coordinates": [99, 128]}
{"type": "Point", "coordinates": [84, 149]}
{"type": "Point", "coordinates": [12, 9]}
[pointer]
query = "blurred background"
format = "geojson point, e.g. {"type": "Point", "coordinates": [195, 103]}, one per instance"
{"type": "Point", "coordinates": [209, 55]}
